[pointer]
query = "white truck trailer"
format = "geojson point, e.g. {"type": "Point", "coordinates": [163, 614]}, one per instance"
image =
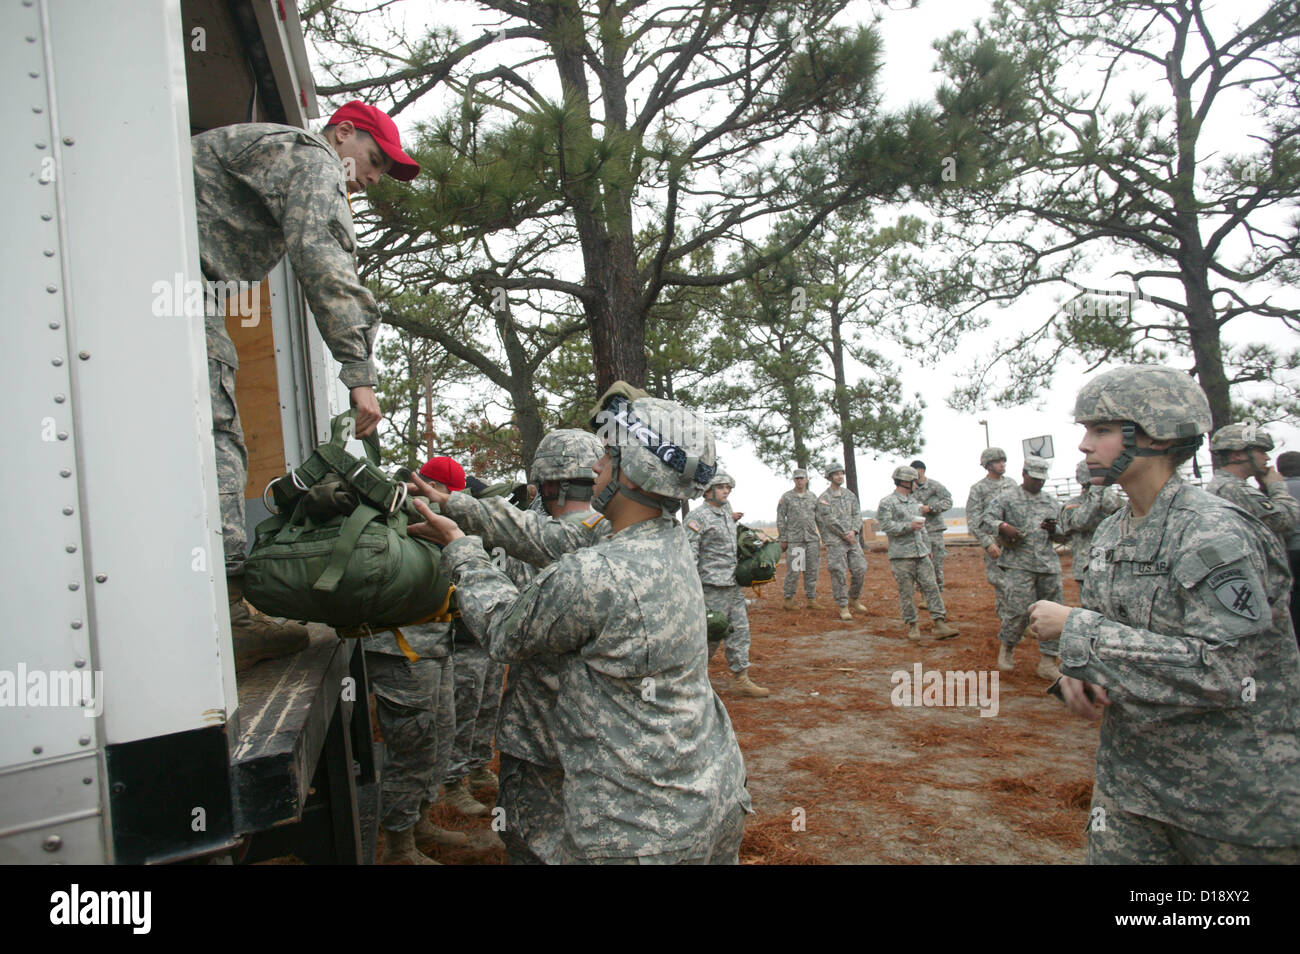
{"type": "Point", "coordinates": [124, 734]}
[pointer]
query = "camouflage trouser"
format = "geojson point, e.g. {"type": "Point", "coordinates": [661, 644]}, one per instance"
{"type": "Point", "coordinates": [1117, 837]}
{"type": "Point", "coordinates": [993, 573]}
{"type": "Point", "coordinates": [812, 558]}
{"type": "Point", "coordinates": [232, 463]}
{"type": "Point", "coordinates": [938, 553]}
{"type": "Point", "coordinates": [479, 680]}
{"type": "Point", "coordinates": [910, 573]}
{"type": "Point", "coordinates": [531, 801]}
{"type": "Point", "coordinates": [731, 601]}
{"type": "Point", "coordinates": [417, 718]}
{"type": "Point", "coordinates": [845, 558]}
{"type": "Point", "coordinates": [1020, 589]}
{"type": "Point", "coordinates": [721, 847]}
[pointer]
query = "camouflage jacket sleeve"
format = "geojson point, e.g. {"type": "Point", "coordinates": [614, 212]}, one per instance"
{"type": "Point", "coordinates": [940, 501]}
{"type": "Point", "coordinates": [782, 512]}
{"type": "Point", "coordinates": [975, 514]}
{"type": "Point", "coordinates": [524, 534]}
{"type": "Point", "coordinates": [831, 512]}
{"type": "Point", "coordinates": [1275, 507]}
{"type": "Point", "coordinates": [992, 517]}
{"type": "Point", "coordinates": [319, 239]}
{"type": "Point", "coordinates": [893, 517]}
{"type": "Point", "coordinates": [1205, 662]}
{"type": "Point", "coordinates": [1087, 510]}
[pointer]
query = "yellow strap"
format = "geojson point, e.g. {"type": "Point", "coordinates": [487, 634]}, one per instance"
{"type": "Point", "coordinates": [405, 647]}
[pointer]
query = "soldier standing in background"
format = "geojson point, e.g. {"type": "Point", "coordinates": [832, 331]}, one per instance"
{"type": "Point", "coordinates": [935, 501]}
{"type": "Point", "coordinates": [262, 191]}
{"type": "Point", "coordinates": [1239, 452]}
{"type": "Point", "coordinates": [1288, 466]}
{"type": "Point", "coordinates": [1183, 648]}
{"type": "Point", "coordinates": [899, 517]}
{"type": "Point", "coordinates": [1025, 518]}
{"type": "Point", "coordinates": [994, 461]}
{"type": "Point", "coordinates": [796, 525]}
{"type": "Point", "coordinates": [839, 517]}
{"type": "Point", "coordinates": [1081, 515]}
{"type": "Point", "coordinates": [711, 530]}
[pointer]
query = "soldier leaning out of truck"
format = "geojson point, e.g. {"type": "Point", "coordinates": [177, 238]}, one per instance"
{"type": "Point", "coordinates": [263, 191]}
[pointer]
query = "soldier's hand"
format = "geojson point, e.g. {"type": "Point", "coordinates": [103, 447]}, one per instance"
{"type": "Point", "coordinates": [925, 509]}
{"type": "Point", "coordinates": [918, 524]}
{"type": "Point", "coordinates": [848, 537]}
{"type": "Point", "coordinates": [1076, 693]}
{"type": "Point", "coordinates": [367, 405]}
{"type": "Point", "coordinates": [422, 488]}
{"type": "Point", "coordinates": [1047, 619]}
{"type": "Point", "coordinates": [783, 546]}
{"type": "Point", "coordinates": [993, 550]}
{"type": "Point", "coordinates": [737, 514]}
{"type": "Point", "coordinates": [436, 528]}
{"type": "Point", "coordinates": [1012, 534]}
{"type": "Point", "coordinates": [1048, 524]}
{"type": "Point", "coordinates": [1270, 476]}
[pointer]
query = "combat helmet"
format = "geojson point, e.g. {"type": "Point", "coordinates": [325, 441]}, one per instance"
{"type": "Point", "coordinates": [905, 475]}
{"type": "Point", "coordinates": [1166, 403]}
{"type": "Point", "coordinates": [990, 455]}
{"type": "Point", "coordinates": [664, 448]}
{"type": "Point", "coordinates": [721, 478]}
{"type": "Point", "coordinates": [835, 467]}
{"type": "Point", "coordinates": [565, 457]}
{"type": "Point", "coordinates": [1241, 436]}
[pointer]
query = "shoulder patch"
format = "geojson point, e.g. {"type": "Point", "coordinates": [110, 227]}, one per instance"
{"type": "Point", "coordinates": [694, 525]}
{"type": "Point", "coordinates": [1237, 591]}
{"type": "Point", "coordinates": [594, 519]}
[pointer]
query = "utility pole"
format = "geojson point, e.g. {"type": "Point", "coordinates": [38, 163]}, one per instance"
{"type": "Point", "coordinates": [986, 433]}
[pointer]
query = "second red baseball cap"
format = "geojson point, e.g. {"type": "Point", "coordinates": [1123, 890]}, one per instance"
{"type": "Point", "coordinates": [445, 471]}
{"type": "Point", "coordinates": [384, 130]}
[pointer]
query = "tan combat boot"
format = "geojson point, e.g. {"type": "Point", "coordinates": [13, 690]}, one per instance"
{"type": "Point", "coordinates": [482, 777]}
{"type": "Point", "coordinates": [1005, 662]}
{"type": "Point", "coordinates": [399, 849]}
{"type": "Point", "coordinates": [255, 637]}
{"type": "Point", "coordinates": [913, 631]}
{"type": "Point", "coordinates": [1047, 668]}
{"type": "Point", "coordinates": [857, 605]}
{"type": "Point", "coordinates": [942, 630]}
{"type": "Point", "coordinates": [458, 797]}
{"type": "Point", "coordinates": [428, 834]}
{"type": "Point", "coordinates": [788, 603]}
{"type": "Point", "coordinates": [742, 685]}
{"type": "Point", "coordinates": [921, 602]}
{"type": "Point", "coordinates": [812, 603]}
{"type": "Point", "coordinates": [844, 613]}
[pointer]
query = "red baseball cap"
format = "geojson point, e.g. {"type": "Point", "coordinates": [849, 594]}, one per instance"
{"type": "Point", "coordinates": [384, 130]}
{"type": "Point", "coordinates": [445, 471]}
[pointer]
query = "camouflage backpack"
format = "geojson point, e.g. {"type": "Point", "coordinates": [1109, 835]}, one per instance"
{"type": "Point", "coordinates": [336, 550]}
{"type": "Point", "coordinates": [756, 558]}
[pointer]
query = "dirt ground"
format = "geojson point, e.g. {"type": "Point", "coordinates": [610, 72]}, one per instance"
{"type": "Point", "coordinates": [840, 775]}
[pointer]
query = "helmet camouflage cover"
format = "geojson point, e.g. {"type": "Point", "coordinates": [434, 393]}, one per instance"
{"type": "Point", "coordinates": [991, 454]}
{"type": "Point", "coordinates": [1241, 436]}
{"type": "Point", "coordinates": [664, 448]}
{"type": "Point", "coordinates": [566, 454]}
{"type": "Point", "coordinates": [834, 468]}
{"type": "Point", "coordinates": [1164, 402]}
{"type": "Point", "coordinates": [722, 478]}
{"type": "Point", "coordinates": [905, 474]}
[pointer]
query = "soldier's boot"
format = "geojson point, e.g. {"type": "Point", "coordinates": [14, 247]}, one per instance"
{"type": "Point", "coordinates": [857, 605]}
{"type": "Point", "coordinates": [913, 630]}
{"type": "Point", "coordinates": [399, 849]}
{"type": "Point", "coordinates": [457, 796]}
{"type": "Point", "coordinates": [428, 834]}
{"type": "Point", "coordinates": [1005, 662]}
{"type": "Point", "coordinates": [1047, 668]}
{"type": "Point", "coordinates": [921, 603]}
{"type": "Point", "coordinates": [788, 603]}
{"type": "Point", "coordinates": [485, 840]}
{"type": "Point", "coordinates": [742, 685]}
{"type": "Point", "coordinates": [482, 777]}
{"type": "Point", "coordinates": [255, 637]}
{"type": "Point", "coordinates": [812, 603]}
{"type": "Point", "coordinates": [844, 613]}
{"type": "Point", "coordinates": [942, 630]}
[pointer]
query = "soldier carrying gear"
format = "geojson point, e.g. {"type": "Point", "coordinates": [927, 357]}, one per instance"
{"type": "Point", "coordinates": [1184, 614]}
{"type": "Point", "coordinates": [562, 465]}
{"type": "Point", "coordinates": [1239, 452]}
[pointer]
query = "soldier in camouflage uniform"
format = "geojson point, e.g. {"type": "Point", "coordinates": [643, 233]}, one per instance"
{"type": "Point", "coordinates": [1080, 516]}
{"type": "Point", "coordinates": [900, 519]}
{"type": "Point", "coordinates": [652, 772]}
{"type": "Point", "coordinates": [934, 500]}
{"type": "Point", "coordinates": [839, 518]}
{"type": "Point", "coordinates": [560, 520]}
{"type": "Point", "coordinates": [796, 525]}
{"type": "Point", "coordinates": [994, 462]}
{"type": "Point", "coordinates": [1183, 646]}
{"type": "Point", "coordinates": [711, 530]}
{"type": "Point", "coordinates": [1025, 518]}
{"type": "Point", "coordinates": [1239, 452]}
{"type": "Point", "coordinates": [262, 191]}
{"type": "Point", "coordinates": [414, 689]}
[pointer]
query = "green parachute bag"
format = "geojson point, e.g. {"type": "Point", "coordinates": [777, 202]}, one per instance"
{"type": "Point", "coordinates": [756, 558]}
{"type": "Point", "coordinates": [719, 626]}
{"type": "Point", "coordinates": [336, 550]}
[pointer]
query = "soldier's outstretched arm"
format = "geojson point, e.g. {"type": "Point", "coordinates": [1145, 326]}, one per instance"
{"type": "Point", "coordinates": [523, 534]}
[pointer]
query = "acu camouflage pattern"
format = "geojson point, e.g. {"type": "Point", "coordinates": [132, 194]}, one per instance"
{"type": "Point", "coordinates": [796, 525]}
{"type": "Point", "coordinates": [730, 602]}
{"type": "Point", "coordinates": [1164, 402]}
{"type": "Point", "coordinates": [262, 191]}
{"type": "Point", "coordinates": [1025, 512]}
{"type": "Point", "coordinates": [981, 495]}
{"type": "Point", "coordinates": [566, 454]}
{"type": "Point", "coordinates": [838, 513]}
{"type": "Point", "coordinates": [650, 760]}
{"type": "Point", "coordinates": [1079, 519]}
{"type": "Point", "coordinates": [937, 497]}
{"type": "Point", "coordinates": [909, 555]}
{"type": "Point", "coordinates": [1276, 509]}
{"type": "Point", "coordinates": [712, 535]}
{"type": "Point", "coordinates": [232, 464]}
{"type": "Point", "coordinates": [1186, 626]}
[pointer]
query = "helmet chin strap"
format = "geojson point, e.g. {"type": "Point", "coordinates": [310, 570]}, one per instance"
{"type": "Point", "coordinates": [1120, 464]}
{"type": "Point", "coordinates": [603, 499]}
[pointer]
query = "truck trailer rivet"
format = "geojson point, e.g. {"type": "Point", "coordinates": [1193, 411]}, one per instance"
{"type": "Point", "coordinates": [54, 326]}
{"type": "Point", "coordinates": [119, 788]}
{"type": "Point", "coordinates": [74, 586]}
{"type": "Point", "coordinates": [59, 399]}
{"type": "Point", "coordinates": [76, 624]}
{"type": "Point", "coordinates": [30, 39]}
{"type": "Point", "coordinates": [84, 740]}
{"type": "Point", "coordinates": [101, 577]}
{"type": "Point", "coordinates": [53, 843]}
{"type": "Point", "coordinates": [63, 435]}
{"type": "Point", "coordinates": [51, 288]}
{"type": "Point", "coordinates": [57, 362]}
{"type": "Point", "coordinates": [40, 145]}
{"type": "Point", "coordinates": [67, 511]}
{"type": "Point", "coordinates": [69, 141]}
{"type": "Point", "coordinates": [80, 664]}
{"type": "Point", "coordinates": [84, 355]}
{"type": "Point", "coordinates": [37, 109]}
{"type": "Point", "coordinates": [87, 780]}
{"type": "Point", "coordinates": [71, 548]}
{"type": "Point", "coordinates": [34, 73]}
{"type": "Point", "coordinates": [47, 217]}
{"type": "Point", "coordinates": [49, 253]}
{"type": "Point", "coordinates": [65, 473]}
